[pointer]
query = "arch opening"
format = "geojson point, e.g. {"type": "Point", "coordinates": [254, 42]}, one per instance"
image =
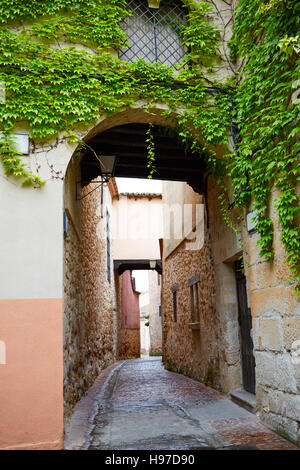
{"type": "Point", "coordinates": [128, 142]}
{"type": "Point", "coordinates": [95, 333]}
{"type": "Point", "coordinates": [154, 34]}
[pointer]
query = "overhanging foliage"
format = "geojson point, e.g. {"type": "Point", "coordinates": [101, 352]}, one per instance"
{"type": "Point", "coordinates": [55, 88]}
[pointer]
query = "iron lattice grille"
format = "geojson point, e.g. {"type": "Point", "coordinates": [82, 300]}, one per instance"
{"type": "Point", "coordinates": [154, 34]}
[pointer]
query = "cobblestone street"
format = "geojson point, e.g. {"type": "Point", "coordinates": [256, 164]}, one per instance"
{"type": "Point", "coordinates": [137, 404]}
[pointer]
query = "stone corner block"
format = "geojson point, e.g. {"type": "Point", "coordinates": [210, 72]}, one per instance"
{"type": "Point", "coordinates": [267, 334]}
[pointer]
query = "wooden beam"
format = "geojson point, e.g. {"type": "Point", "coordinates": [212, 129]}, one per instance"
{"type": "Point", "coordinates": [140, 152]}
{"type": "Point", "coordinates": [112, 140]}
{"type": "Point", "coordinates": [128, 143]}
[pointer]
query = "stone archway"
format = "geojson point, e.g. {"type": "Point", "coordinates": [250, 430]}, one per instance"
{"type": "Point", "coordinates": [85, 254]}
{"type": "Point", "coordinates": [136, 120]}
{"type": "Point", "coordinates": [32, 314]}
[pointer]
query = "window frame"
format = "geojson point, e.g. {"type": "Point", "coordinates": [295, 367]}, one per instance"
{"type": "Point", "coordinates": [152, 15]}
{"type": "Point", "coordinates": [194, 285]}
{"type": "Point", "coordinates": [174, 290]}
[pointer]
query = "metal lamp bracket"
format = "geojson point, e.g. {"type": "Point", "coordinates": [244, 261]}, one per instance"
{"type": "Point", "coordinates": [100, 183]}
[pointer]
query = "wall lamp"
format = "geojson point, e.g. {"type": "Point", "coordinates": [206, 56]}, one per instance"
{"type": "Point", "coordinates": [107, 166]}
{"type": "Point", "coordinates": [152, 263]}
{"type": "Point", "coordinates": [107, 171]}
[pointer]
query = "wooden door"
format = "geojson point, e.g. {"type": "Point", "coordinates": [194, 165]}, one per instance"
{"type": "Point", "coordinates": [245, 322]}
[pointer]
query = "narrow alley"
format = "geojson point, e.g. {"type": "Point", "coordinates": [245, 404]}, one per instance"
{"type": "Point", "coordinates": [137, 404]}
{"type": "Point", "coordinates": [149, 247]}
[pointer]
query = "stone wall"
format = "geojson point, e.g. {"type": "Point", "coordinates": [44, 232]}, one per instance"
{"type": "Point", "coordinates": [192, 352]}
{"type": "Point", "coordinates": [275, 318]}
{"type": "Point", "coordinates": [216, 359]}
{"type": "Point", "coordinates": [138, 226]}
{"type": "Point", "coordinates": [276, 326]}
{"type": "Point", "coordinates": [89, 309]}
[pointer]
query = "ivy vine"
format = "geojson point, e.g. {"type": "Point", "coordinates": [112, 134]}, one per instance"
{"type": "Point", "coordinates": [150, 152]}
{"type": "Point", "coordinates": [55, 86]}
{"type": "Point", "coordinates": [267, 112]}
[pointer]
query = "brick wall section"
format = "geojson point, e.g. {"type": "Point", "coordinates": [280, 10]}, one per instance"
{"type": "Point", "coordinates": [192, 352]}
{"type": "Point", "coordinates": [128, 339]}
{"type": "Point", "coordinates": [73, 308]}
{"type": "Point", "coordinates": [155, 324]}
{"type": "Point", "coordinates": [88, 302]}
{"type": "Point", "coordinates": [129, 343]}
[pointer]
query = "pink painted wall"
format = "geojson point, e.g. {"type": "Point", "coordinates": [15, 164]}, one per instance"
{"type": "Point", "coordinates": [130, 303]}
{"type": "Point", "coordinates": [31, 381]}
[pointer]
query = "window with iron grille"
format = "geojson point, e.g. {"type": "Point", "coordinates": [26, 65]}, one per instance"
{"type": "Point", "coordinates": [154, 34]}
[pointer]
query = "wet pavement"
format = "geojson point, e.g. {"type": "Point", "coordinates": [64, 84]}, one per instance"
{"type": "Point", "coordinates": [137, 404]}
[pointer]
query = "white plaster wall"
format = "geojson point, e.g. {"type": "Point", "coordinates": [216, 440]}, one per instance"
{"type": "Point", "coordinates": [31, 236]}
{"type": "Point", "coordinates": [176, 220]}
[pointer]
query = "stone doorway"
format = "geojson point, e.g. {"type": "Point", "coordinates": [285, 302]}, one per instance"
{"type": "Point", "coordinates": [245, 323]}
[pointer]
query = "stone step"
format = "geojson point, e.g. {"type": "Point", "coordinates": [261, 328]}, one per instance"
{"type": "Point", "coordinates": [244, 399]}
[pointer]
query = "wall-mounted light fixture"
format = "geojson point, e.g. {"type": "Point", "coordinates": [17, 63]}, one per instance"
{"type": "Point", "coordinates": [153, 3]}
{"type": "Point", "coordinates": [107, 171]}
{"type": "Point", "coordinates": [107, 165]}
{"type": "Point", "coordinates": [152, 263]}
{"type": "Point", "coordinates": [20, 142]}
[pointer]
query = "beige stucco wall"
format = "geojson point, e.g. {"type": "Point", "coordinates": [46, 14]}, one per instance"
{"type": "Point", "coordinates": [145, 336]}
{"type": "Point", "coordinates": [176, 195]}
{"type": "Point", "coordinates": [138, 227]}
{"type": "Point", "coordinates": [276, 326]}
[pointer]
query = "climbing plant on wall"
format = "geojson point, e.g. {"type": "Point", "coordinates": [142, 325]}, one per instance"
{"type": "Point", "coordinates": [55, 86]}
{"type": "Point", "coordinates": [267, 39]}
